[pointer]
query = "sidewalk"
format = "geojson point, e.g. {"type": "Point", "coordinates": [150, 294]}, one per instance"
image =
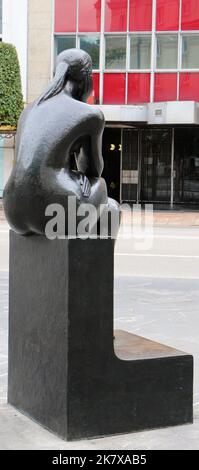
{"type": "Point", "coordinates": [170, 218]}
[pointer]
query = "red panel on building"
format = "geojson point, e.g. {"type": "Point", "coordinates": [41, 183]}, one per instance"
{"type": "Point", "coordinates": [165, 87]}
{"type": "Point", "coordinates": [115, 15]}
{"type": "Point", "coordinates": [65, 16]}
{"type": "Point", "coordinates": [140, 18]}
{"type": "Point", "coordinates": [167, 15]}
{"type": "Point", "coordinates": [138, 88]}
{"type": "Point", "coordinates": [94, 97]}
{"type": "Point", "coordinates": [89, 16]}
{"type": "Point", "coordinates": [96, 77]}
{"type": "Point", "coordinates": [190, 14]}
{"type": "Point", "coordinates": [189, 86]}
{"type": "Point", "coordinates": [114, 88]}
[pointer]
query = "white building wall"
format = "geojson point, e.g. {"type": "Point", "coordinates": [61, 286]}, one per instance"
{"type": "Point", "coordinates": [15, 31]}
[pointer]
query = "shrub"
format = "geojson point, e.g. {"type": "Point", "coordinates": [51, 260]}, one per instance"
{"type": "Point", "coordinates": [11, 99]}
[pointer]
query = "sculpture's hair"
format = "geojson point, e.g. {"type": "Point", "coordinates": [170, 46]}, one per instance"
{"type": "Point", "coordinates": [57, 84]}
{"type": "Point", "coordinates": [73, 63]}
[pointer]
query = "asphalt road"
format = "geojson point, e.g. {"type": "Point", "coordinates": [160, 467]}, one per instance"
{"type": "Point", "coordinates": [167, 253]}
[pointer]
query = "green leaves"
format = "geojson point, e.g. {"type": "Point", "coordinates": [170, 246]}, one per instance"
{"type": "Point", "coordinates": [11, 99]}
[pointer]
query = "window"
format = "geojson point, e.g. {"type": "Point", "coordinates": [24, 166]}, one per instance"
{"type": "Point", "coordinates": [96, 82]}
{"type": "Point", "coordinates": [114, 88]}
{"type": "Point", "coordinates": [165, 87]}
{"type": "Point", "coordinates": [138, 88]}
{"type": "Point", "coordinates": [189, 86]}
{"type": "Point", "coordinates": [91, 44]}
{"type": "Point", "coordinates": [115, 15]}
{"type": "Point", "coordinates": [115, 57]}
{"type": "Point", "coordinates": [190, 14]}
{"type": "Point", "coordinates": [190, 55]}
{"type": "Point", "coordinates": [140, 15]}
{"type": "Point", "coordinates": [65, 16]}
{"type": "Point", "coordinates": [64, 42]}
{"type": "Point", "coordinates": [89, 16]}
{"type": "Point", "coordinates": [167, 51]}
{"type": "Point", "coordinates": [167, 15]}
{"type": "Point", "coordinates": [140, 52]}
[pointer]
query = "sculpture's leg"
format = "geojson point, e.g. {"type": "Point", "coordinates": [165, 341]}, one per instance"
{"type": "Point", "coordinates": [63, 369]}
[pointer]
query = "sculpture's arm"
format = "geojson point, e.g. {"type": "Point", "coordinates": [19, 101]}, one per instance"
{"type": "Point", "coordinates": [90, 160]}
{"type": "Point", "coordinates": [96, 162]}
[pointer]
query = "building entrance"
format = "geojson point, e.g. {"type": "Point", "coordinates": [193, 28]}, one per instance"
{"type": "Point", "coordinates": [155, 155]}
{"type": "Point", "coordinates": [157, 165]}
{"type": "Point", "coordinates": [186, 188]}
{"type": "Point", "coordinates": [147, 165]}
{"type": "Point", "coordinates": [111, 151]}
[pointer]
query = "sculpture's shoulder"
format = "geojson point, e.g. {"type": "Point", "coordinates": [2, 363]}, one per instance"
{"type": "Point", "coordinates": [98, 113]}
{"type": "Point", "coordinates": [95, 116]}
{"type": "Point", "coordinates": [79, 111]}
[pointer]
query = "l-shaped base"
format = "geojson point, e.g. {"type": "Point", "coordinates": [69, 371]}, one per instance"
{"type": "Point", "coordinates": [65, 369]}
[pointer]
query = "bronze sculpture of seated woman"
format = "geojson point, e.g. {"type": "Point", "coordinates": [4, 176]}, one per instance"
{"type": "Point", "coordinates": [58, 149]}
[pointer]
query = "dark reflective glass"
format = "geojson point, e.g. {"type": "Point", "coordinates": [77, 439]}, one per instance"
{"type": "Point", "coordinates": [156, 165]}
{"type": "Point", "coordinates": [115, 57]}
{"type": "Point", "coordinates": [186, 165]}
{"type": "Point", "coordinates": [64, 42]}
{"type": "Point", "coordinates": [91, 44]}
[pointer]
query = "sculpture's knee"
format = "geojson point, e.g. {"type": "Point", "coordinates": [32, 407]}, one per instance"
{"type": "Point", "coordinates": [109, 222]}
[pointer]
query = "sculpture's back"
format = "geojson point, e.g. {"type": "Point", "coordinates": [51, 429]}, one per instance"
{"type": "Point", "coordinates": [52, 131]}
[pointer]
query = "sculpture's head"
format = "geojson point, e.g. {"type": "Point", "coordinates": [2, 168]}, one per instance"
{"type": "Point", "coordinates": [78, 72]}
{"type": "Point", "coordinates": [73, 73]}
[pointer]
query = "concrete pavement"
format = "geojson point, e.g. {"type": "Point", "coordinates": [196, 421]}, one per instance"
{"type": "Point", "coordinates": [168, 252]}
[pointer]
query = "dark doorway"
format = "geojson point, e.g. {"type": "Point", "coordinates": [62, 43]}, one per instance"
{"type": "Point", "coordinates": [155, 163]}
{"type": "Point", "coordinates": [186, 188]}
{"type": "Point", "coordinates": [112, 155]}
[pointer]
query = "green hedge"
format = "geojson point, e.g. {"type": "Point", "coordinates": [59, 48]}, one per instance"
{"type": "Point", "coordinates": [11, 99]}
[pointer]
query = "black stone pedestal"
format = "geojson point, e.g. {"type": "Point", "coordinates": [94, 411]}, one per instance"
{"type": "Point", "coordinates": [65, 370]}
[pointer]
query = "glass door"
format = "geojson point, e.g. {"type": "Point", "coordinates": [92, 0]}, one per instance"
{"type": "Point", "coordinates": [112, 160]}
{"type": "Point", "coordinates": [130, 165]}
{"type": "Point", "coordinates": [186, 165]}
{"type": "Point", "coordinates": [155, 156]}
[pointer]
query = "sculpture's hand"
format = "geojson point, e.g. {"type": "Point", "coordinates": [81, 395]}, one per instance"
{"type": "Point", "coordinates": [85, 184]}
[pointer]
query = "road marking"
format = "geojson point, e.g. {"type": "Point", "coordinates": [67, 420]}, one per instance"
{"type": "Point", "coordinates": [151, 255]}
{"type": "Point", "coordinates": [140, 235]}
{"type": "Point", "coordinates": [175, 237]}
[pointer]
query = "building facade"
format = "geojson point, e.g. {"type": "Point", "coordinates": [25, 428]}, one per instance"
{"type": "Point", "coordinates": [145, 57]}
{"type": "Point", "coordinates": [146, 79]}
